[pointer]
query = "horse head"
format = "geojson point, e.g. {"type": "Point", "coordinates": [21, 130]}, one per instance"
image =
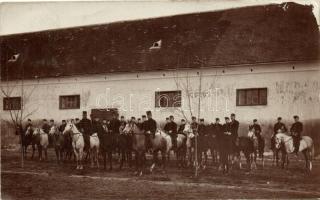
{"type": "Point", "coordinates": [188, 130]}
{"type": "Point", "coordinates": [70, 128]}
{"type": "Point", "coordinates": [53, 130]}
{"type": "Point", "coordinates": [29, 131]}
{"type": "Point", "coordinates": [127, 129]}
{"type": "Point", "coordinates": [279, 140]}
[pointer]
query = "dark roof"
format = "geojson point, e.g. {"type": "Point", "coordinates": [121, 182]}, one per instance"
{"type": "Point", "coordinates": [271, 33]}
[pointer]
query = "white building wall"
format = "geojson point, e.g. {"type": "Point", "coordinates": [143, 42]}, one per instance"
{"type": "Point", "coordinates": [290, 92]}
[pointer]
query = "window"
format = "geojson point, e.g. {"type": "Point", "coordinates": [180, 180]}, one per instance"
{"type": "Point", "coordinates": [168, 99]}
{"type": "Point", "coordinates": [12, 103]}
{"type": "Point", "coordinates": [69, 102]}
{"type": "Point", "coordinates": [252, 97]}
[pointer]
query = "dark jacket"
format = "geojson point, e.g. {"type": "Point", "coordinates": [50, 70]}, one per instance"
{"type": "Point", "coordinates": [201, 129]}
{"type": "Point", "coordinates": [217, 129]}
{"type": "Point", "coordinates": [257, 129]}
{"type": "Point", "coordinates": [181, 128]}
{"type": "Point", "coordinates": [46, 128]}
{"type": "Point", "coordinates": [62, 127]}
{"type": "Point", "coordinates": [297, 128]}
{"type": "Point", "coordinates": [227, 128]}
{"type": "Point", "coordinates": [172, 127]}
{"type": "Point", "coordinates": [151, 125]}
{"type": "Point", "coordinates": [280, 126]}
{"type": "Point", "coordinates": [234, 128]}
{"type": "Point", "coordinates": [115, 125]}
{"type": "Point", "coordinates": [194, 127]}
{"type": "Point", "coordinates": [85, 126]}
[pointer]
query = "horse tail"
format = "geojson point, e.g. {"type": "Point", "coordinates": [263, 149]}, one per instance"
{"type": "Point", "coordinates": [312, 152]}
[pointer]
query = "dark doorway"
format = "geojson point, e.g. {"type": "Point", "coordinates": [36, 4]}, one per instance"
{"type": "Point", "coordinates": [104, 113]}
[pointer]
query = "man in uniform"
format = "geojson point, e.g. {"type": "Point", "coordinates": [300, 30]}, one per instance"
{"type": "Point", "coordinates": [234, 129]}
{"type": "Point", "coordinates": [77, 123]}
{"type": "Point", "coordinates": [257, 131]}
{"type": "Point", "coordinates": [172, 131]}
{"type": "Point", "coordinates": [45, 126]}
{"type": "Point", "coordinates": [181, 127]}
{"type": "Point", "coordinates": [201, 128]}
{"type": "Point", "coordinates": [115, 124]}
{"type": "Point", "coordinates": [194, 125]}
{"type": "Point", "coordinates": [217, 129]}
{"type": "Point", "coordinates": [279, 127]}
{"type": "Point", "coordinates": [29, 124]}
{"type": "Point", "coordinates": [296, 130]}
{"type": "Point", "coordinates": [166, 126]}
{"type": "Point", "coordinates": [62, 126]}
{"type": "Point", "coordinates": [123, 120]}
{"type": "Point", "coordinates": [151, 124]}
{"type": "Point", "coordinates": [85, 126]}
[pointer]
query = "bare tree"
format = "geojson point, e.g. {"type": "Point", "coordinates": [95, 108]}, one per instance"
{"type": "Point", "coordinates": [9, 90]}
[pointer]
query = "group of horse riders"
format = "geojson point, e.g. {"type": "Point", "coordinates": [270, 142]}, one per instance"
{"type": "Point", "coordinates": [149, 126]}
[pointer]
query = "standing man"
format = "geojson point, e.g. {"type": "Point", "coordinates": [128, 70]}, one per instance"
{"type": "Point", "coordinates": [296, 130]}
{"type": "Point", "coordinates": [279, 127]}
{"type": "Point", "coordinates": [85, 126]}
{"type": "Point", "coordinates": [77, 123]}
{"type": "Point", "coordinates": [172, 131]}
{"type": "Point", "coordinates": [144, 122]}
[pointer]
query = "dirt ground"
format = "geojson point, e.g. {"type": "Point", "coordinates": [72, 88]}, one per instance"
{"type": "Point", "coordinates": [48, 180]}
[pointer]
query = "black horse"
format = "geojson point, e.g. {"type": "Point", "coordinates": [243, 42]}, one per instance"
{"type": "Point", "coordinates": [124, 144]}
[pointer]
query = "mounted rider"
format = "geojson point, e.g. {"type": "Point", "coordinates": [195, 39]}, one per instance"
{"type": "Point", "coordinates": [85, 126]}
{"type": "Point", "coordinates": [201, 128]}
{"type": "Point", "coordinates": [279, 127]}
{"type": "Point", "coordinates": [296, 130]}
{"type": "Point", "coordinates": [256, 128]}
{"type": "Point", "coordinates": [234, 124]}
{"type": "Point", "coordinates": [62, 126]}
{"type": "Point", "coordinates": [150, 128]}
{"type": "Point", "coordinates": [172, 131]}
{"type": "Point", "coordinates": [181, 127]}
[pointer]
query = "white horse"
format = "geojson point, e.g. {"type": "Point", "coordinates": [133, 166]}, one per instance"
{"type": "Point", "coordinates": [94, 149]}
{"type": "Point", "coordinates": [306, 147]}
{"type": "Point", "coordinates": [43, 142]}
{"type": "Point", "coordinates": [190, 142]}
{"type": "Point", "coordinates": [77, 142]}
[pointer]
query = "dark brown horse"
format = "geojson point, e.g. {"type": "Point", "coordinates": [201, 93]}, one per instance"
{"type": "Point", "coordinates": [124, 144]}
{"type": "Point", "coordinates": [107, 146]}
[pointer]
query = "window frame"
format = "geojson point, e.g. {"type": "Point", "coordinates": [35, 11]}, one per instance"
{"type": "Point", "coordinates": [174, 97]}
{"type": "Point", "coordinates": [8, 98]}
{"type": "Point", "coordinates": [251, 90]}
{"type": "Point", "coordinates": [69, 108]}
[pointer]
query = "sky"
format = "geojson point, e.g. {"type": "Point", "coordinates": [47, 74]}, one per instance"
{"type": "Point", "coordinates": [21, 17]}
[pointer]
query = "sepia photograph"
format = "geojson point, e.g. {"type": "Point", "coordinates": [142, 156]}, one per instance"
{"type": "Point", "coordinates": [160, 99]}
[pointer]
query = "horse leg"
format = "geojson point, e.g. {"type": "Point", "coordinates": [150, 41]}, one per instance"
{"type": "Point", "coordinates": [80, 158]}
{"type": "Point", "coordinates": [164, 160]}
{"type": "Point", "coordinates": [110, 159]}
{"type": "Point", "coordinates": [123, 154]}
{"type": "Point", "coordinates": [40, 152]}
{"type": "Point", "coordinates": [155, 159]}
{"type": "Point", "coordinates": [45, 153]}
{"type": "Point", "coordinates": [91, 157]}
{"type": "Point", "coordinates": [57, 154]}
{"type": "Point", "coordinates": [97, 157]}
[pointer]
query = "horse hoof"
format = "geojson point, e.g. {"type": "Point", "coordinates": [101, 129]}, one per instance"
{"type": "Point", "coordinates": [140, 173]}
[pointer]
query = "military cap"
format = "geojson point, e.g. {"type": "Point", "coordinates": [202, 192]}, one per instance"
{"type": "Point", "coordinates": [217, 119]}
{"type": "Point", "coordinates": [226, 118]}
{"type": "Point", "coordinates": [233, 115]}
{"type": "Point", "coordinates": [279, 118]}
{"type": "Point", "coordinates": [255, 120]}
{"type": "Point", "coordinates": [201, 120]}
{"type": "Point", "coordinates": [148, 112]}
{"type": "Point", "coordinates": [296, 116]}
